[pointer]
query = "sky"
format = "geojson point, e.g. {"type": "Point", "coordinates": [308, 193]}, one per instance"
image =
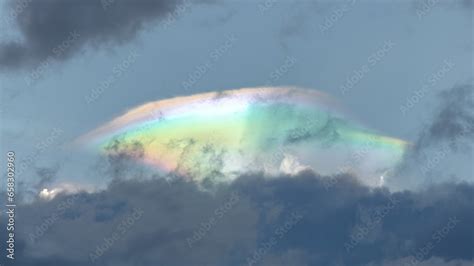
{"type": "Point", "coordinates": [400, 69]}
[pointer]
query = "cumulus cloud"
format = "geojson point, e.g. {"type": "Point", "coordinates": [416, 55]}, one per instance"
{"type": "Point", "coordinates": [57, 29]}
{"type": "Point", "coordinates": [253, 221]}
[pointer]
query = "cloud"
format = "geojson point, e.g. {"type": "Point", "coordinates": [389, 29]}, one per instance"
{"type": "Point", "coordinates": [454, 120]}
{"type": "Point", "coordinates": [45, 176]}
{"type": "Point", "coordinates": [253, 221]}
{"type": "Point", "coordinates": [56, 29]}
{"type": "Point", "coordinates": [443, 146]}
{"type": "Point", "coordinates": [430, 262]}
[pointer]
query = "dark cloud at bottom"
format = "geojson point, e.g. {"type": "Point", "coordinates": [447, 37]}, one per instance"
{"type": "Point", "coordinates": [302, 220]}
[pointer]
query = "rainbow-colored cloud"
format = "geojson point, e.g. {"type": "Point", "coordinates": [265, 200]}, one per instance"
{"type": "Point", "coordinates": [220, 135]}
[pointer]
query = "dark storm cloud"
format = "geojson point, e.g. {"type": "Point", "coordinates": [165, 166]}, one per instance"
{"type": "Point", "coordinates": [253, 221]}
{"type": "Point", "coordinates": [58, 29]}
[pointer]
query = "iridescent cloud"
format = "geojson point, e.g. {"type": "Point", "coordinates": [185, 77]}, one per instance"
{"type": "Point", "coordinates": [221, 135]}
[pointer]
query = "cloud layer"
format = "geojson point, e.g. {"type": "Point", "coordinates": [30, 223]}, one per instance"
{"type": "Point", "coordinates": [56, 29]}
{"type": "Point", "coordinates": [255, 221]}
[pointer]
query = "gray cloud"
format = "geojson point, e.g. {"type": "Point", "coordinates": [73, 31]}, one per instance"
{"type": "Point", "coordinates": [454, 119]}
{"type": "Point", "coordinates": [45, 176]}
{"type": "Point", "coordinates": [57, 29]}
{"type": "Point", "coordinates": [452, 122]}
{"type": "Point", "coordinates": [430, 262]}
{"type": "Point", "coordinates": [250, 219]}
{"type": "Point", "coordinates": [448, 133]}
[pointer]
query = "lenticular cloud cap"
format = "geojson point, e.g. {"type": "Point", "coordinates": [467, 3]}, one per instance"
{"type": "Point", "coordinates": [220, 135]}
